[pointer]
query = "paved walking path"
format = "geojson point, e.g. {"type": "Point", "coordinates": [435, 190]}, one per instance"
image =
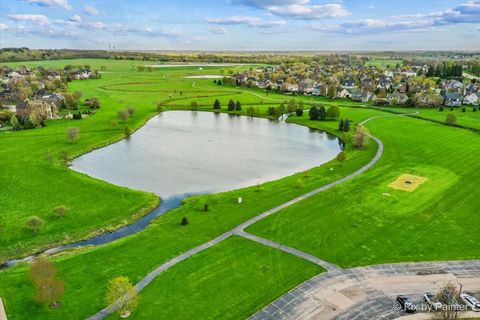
{"type": "Point", "coordinates": [240, 228]}
{"type": "Point", "coordinates": [3, 315]}
{"type": "Point", "coordinates": [368, 292]}
{"type": "Point", "coordinates": [303, 255]}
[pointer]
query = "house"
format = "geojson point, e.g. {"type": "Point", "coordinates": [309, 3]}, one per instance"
{"type": "Point", "coordinates": [290, 87]}
{"type": "Point", "coordinates": [348, 83]}
{"type": "Point", "coordinates": [344, 94]}
{"type": "Point", "coordinates": [306, 86]}
{"type": "Point", "coordinates": [319, 90]}
{"type": "Point", "coordinates": [453, 99]}
{"type": "Point", "coordinates": [384, 83]}
{"type": "Point", "coordinates": [397, 98]}
{"type": "Point", "coordinates": [410, 73]}
{"type": "Point", "coordinates": [471, 99]}
{"type": "Point", "coordinates": [6, 95]}
{"type": "Point", "coordinates": [41, 109]}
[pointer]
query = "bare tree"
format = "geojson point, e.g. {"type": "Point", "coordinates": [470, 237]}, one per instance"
{"type": "Point", "coordinates": [448, 296]}
{"type": "Point", "coordinates": [73, 133]}
{"type": "Point", "coordinates": [360, 137]}
{"type": "Point", "coordinates": [48, 288]}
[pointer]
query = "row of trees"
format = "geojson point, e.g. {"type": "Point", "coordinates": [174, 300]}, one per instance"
{"type": "Point", "coordinates": [317, 112]}
{"type": "Point", "coordinates": [445, 70]}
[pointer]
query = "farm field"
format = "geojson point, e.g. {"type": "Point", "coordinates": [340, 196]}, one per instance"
{"type": "Point", "coordinates": [352, 224]}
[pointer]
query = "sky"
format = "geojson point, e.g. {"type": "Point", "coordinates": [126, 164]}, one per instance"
{"type": "Point", "coordinates": [250, 25]}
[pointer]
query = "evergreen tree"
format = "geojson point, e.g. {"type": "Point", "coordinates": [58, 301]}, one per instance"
{"type": "Point", "coordinates": [313, 113]}
{"type": "Point", "coordinates": [216, 104]}
{"type": "Point", "coordinates": [238, 106]}
{"type": "Point", "coordinates": [231, 105]}
{"type": "Point", "coordinates": [346, 126]}
{"type": "Point", "coordinates": [341, 124]}
{"type": "Point", "coordinates": [322, 113]}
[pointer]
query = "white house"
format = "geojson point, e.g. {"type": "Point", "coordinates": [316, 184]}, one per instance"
{"type": "Point", "coordinates": [472, 98]}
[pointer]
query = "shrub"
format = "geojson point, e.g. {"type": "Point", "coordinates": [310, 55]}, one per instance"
{"type": "Point", "coordinates": [194, 105]}
{"type": "Point", "coordinates": [451, 119]}
{"type": "Point", "coordinates": [464, 109]}
{"type": "Point", "coordinates": [127, 131]}
{"type": "Point", "coordinates": [77, 116]}
{"type": "Point", "coordinates": [60, 211]}
{"type": "Point", "coordinates": [34, 223]}
{"type": "Point", "coordinates": [123, 114]}
{"type": "Point", "coordinates": [238, 106]}
{"type": "Point", "coordinates": [205, 207]}
{"type": "Point", "coordinates": [130, 110]}
{"type": "Point", "coordinates": [184, 221]}
{"type": "Point", "coordinates": [299, 112]}
{"type": "Point", "coordinates": [251, 111]}
{"type": "Point", "coordinates": [216, 104]}
{"type": "Point", "coordinates": [440, 109]}
{"type": "Point", "coordinates": [341, 157]}
{"type": "Point", "coordinates": [333, 112]}
{"type": "Point", "coordinates": [93, 103]}
{"type": "Point", "coordinates": [159, 107]}
{"type": "Point", "coordinates": [73, 133]}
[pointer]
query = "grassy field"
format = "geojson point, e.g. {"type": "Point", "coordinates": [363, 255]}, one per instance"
{"type": "Point", "coordinates": [380, 224]}
{"type": "Point", "coordinates": [87, 273]}
{"type": "Point", "coordinates": [468, 119]}
{"type": "Point", "coordinates": [351, 224]}
{"type": "Point", "coordinates": [383, 62]}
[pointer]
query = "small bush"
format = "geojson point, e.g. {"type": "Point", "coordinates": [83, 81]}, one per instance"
{"type": "Point", "coordinates": [127, 131]}
{"type": "Point", "coordinates": [184, 221]}
{"type": "Point", "coordinates": [60, 211]}
{"type": "Point", "coordinates": [73, 133]}
{"type": "Point", "coordinates": [205, 207]}
{"type": "Point", "coordinates": [299, 112]}
{"type": "Point", "coordinates": [114, 123]}
{"type": "Point", "coordinates": [159, 107]}
{"type": "Point", "coordinates": [34, 223]}
{"type": "Point", "coordinates": [123, 114]}
{"type": "Point", "coordinates": [131, 110]}
{"type": "Point", "coordinates": [440, 109]}
{"type": "Point", "coordinates": [464, 109]}
{"type": "Point", "coordinates": [341, 157]}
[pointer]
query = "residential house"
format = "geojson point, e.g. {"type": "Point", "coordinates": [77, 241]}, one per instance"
{"type": "Point", "coordinates": [42, 109]}
{"type": "Point", "coordinates": [453, 99]}
{"type": "Point", "coordinates": [397, 98]}
{"type": "Point", "coordinates": [306, 86]}
{"type": "Point", "coordinates": [471, 99]}
{"type": "Point", "coordinates": [348, 83]}
{"type": "Point", "coordinates": [343, 94]}
{"type": "Point", "coordinates": [290, 87]}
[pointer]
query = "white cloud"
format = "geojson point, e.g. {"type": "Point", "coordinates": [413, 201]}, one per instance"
{"type": "Point", "coordinates": [91, 11]}
{"type": "Point", "coordinates": [98, 25]}
{"type": "Point", "coordinates": [298, 9]}
{"type": "Point", "coordinates": [75, 18]}
{"type": "Point", "coordinates": [46, 33]}
{"type": "Point", "coordinates": [218, 30]}
{"type": "Point", "coordinates": [51, 3]}
{"type": "Point", "coordinates": [245, 20]}
{"type": "Point", "coordinates": [38, 19]}
{"type": "Point", "coordinates": [3, 26]}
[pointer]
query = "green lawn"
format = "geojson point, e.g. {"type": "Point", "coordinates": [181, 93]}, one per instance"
{"type": "Point", "coordinates": [383, 62]}
{"type": "Point", "coordinates": [351, 224]}
{"type": "Point", "coordinates": [468, 119]}
{"type": "Point", "coordinates": [357, 224]}
{"type": "Point", "coordinates": [229, 281]}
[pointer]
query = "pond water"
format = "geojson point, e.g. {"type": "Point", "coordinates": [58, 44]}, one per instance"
{"type": "Point", "coordinates": [184, 152]}
{"type": "Point", "coordinates": [181, 153]}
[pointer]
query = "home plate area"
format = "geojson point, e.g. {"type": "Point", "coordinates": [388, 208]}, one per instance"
{"type": "Point", "coordinates": [407, 182]}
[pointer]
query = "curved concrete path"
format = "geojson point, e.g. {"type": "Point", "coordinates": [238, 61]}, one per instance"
{"type": "Point", "coordinates": [239, 230]}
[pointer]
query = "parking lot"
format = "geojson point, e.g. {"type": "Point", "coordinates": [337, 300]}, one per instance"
{"type": "Point", "coordinates": [370, 292]}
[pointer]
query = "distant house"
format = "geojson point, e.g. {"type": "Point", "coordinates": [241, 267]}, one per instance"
{"type": "Point", "coordinates": [410, 73]}
{"type": "Point", "coordinates": [290, 87]}
{"type": "Point", "coordinates": [306, 86]}
{"type": "Point", "coordinates": [318, 90]}
{"type": "Point", "coordinates": [384, 83]}
{"type": "Point", "coordinates": [6, 95]}
{"type": "Point", "coordinates": [453, 99]}
{"type": "Point", "coordinates": [397, 98]}
{"type": "Point", "coordinates": [344, 94]}
{"type": "Point", "coordinates": [50, 97]}
{"type": "Point", "coordinates": [348, 83]}
{"type": "Point", "coordinates": [41, 109]}
{"type": "Point", "coordinates": [471, 99]}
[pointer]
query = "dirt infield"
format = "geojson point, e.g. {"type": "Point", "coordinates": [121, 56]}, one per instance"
{"type": "Point", "coordinates": [407, 182]}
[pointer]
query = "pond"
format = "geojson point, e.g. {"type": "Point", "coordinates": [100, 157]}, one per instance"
{"type": "Point", "coordinates": [184, 152]}
{"type": "Point", "coordinates": [181, 153]}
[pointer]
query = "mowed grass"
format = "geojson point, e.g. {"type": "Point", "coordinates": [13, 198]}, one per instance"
{"type": "Point", "coordinates": [229, 281]}
{"type": "Point", "coordinates": [87, 273]}
{"type": "Point", "coordinates": [32, 185]}
{"type": "Point", "coordinates": [365, 222]}
{"type": "Point", "coordinates": [384, 62]}
{"type": "Point", "coordinates": [468, 119]}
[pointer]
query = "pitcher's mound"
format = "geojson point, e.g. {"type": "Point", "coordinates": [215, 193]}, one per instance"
{"type": "Point", "coordinates": [407, 182]}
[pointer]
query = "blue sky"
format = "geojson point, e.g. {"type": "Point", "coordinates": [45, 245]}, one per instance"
{"type": "Point", "coordinates": [242, 24]}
